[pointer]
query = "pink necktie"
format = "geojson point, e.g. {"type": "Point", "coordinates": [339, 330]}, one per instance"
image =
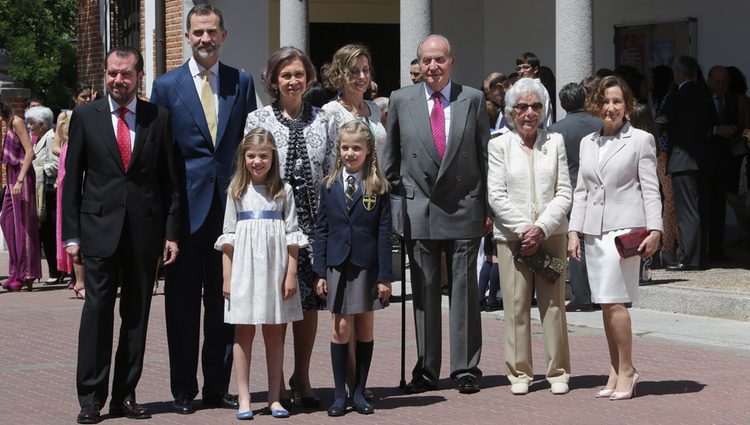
{"type": "Point", "coordinates": [123, 137]}
{"type": "Point", "coordinates": [437, 122]}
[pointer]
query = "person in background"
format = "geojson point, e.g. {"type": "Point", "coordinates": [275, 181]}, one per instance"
{"type": "Point", "coordinates": [18, 218]}
{"type": "Point", "coordinates": [415, 72]}
{"type": "Point", "coordinates": [576, 124]}
{"type": "Point", "coordinates": [39, 120]}
{"type": "Point", "coordinates": [81, 95]}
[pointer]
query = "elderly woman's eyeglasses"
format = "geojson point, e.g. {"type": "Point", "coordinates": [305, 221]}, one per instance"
{"type": "Point", "coordinates": [521, 107]}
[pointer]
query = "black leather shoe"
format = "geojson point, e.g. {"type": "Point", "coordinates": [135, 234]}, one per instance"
{"type": "Point", "coordinates": [129, 408]}
{"type": "Point", "coordinates": [336, 410]}
{"type": "Point", "coordinates": [89, 415]}
{"type": "Point", "coordinates": [419, 385]}
{"type": "Point", "coordinates": [183, 406]}
{"type": "Point", "coordinates": [494, 306]}
{"type": "Point", "coordinates": [364, 408]}
{"type": "Point", "coordinates": [226, 401]}
{"type": "Point", "coordinates": [679, 267]}
{"type": "Point", "coordinates": [468, 384]}
{"type": "Point", "coordinates": [573, 307]}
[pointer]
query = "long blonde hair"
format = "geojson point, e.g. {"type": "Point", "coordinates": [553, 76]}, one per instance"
{"type": "Point", "coordinates": [373, 182]}
{"type": "Point", "coordinates": [241, 178]}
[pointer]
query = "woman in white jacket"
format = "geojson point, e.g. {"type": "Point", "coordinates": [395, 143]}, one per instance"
{"type": "Point", "coordinates": [530, 194]}
{"type": "Point", "coordinates": [617, 191]}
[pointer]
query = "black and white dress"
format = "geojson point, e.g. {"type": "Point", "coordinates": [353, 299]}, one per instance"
{"type": "Point", "coordinates": [306, 157]}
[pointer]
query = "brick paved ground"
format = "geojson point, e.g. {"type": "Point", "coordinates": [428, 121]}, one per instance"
{"type": "Point", "coordinates": [683, 383]}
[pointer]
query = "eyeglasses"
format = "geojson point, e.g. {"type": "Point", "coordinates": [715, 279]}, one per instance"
{"type": "Point", "coordinates": [521, 107]}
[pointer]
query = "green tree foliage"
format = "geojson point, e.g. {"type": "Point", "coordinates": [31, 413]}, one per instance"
{"type": "Point", "coordinates": [40, 35]}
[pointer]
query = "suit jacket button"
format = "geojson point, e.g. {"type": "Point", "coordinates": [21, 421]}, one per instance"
{"type": "Point", "coordinates": [211, 179]}
{"type": "Point", "coordinates": [414, 155]}
{"type": "Point", "coordinates": [458, 178]}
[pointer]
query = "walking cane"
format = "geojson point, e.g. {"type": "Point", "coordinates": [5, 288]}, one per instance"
{"type": "Point", "coordinates": [398, 210]}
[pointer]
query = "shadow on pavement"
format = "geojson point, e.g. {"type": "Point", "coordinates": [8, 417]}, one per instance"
{"type": "Point", "coordinates": [669, 387]}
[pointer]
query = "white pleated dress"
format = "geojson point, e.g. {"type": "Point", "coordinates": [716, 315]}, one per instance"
{"type": "Point", "coordinates": [260, 229]}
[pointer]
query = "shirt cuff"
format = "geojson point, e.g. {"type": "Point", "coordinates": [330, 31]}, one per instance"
{"type": "Point", "coordinates": [71, 242]}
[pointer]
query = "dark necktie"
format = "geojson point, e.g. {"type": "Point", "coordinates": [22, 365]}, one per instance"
{"type": "Point", "coordinates": [720, 107]}
{"type": "Point", "coordinates": [349, 192]}
{"type": "Point", "coordinates": [437, 122]}
{"type": "Point", "coordinates": [123, 137]}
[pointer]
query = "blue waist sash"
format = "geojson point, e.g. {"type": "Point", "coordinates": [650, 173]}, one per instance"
{"type": "Point", "coordinates": [263, 214]}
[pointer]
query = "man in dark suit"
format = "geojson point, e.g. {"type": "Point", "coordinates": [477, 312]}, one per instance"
{"type": "Point", "coordinates": [718, 168]}
{"type": "Point", "coordinates": [120, 204]}
{"type": "Point", "coordinates": [209, 103]}
{"type": "Point", "coordinates": [576, 124]}
{"type": "Point", "coordinates": [688, 116]}
{"type": "Point", "coordinates": [436, 158]}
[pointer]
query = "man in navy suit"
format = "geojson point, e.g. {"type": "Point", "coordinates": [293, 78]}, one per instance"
{"type": "Point", "coordinates": [209, 102]}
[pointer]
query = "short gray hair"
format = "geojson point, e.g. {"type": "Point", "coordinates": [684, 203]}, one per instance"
{"type": "Point", "coordinates": [448, 52]}
{"type": "Point", "coordinates": [40, 114]}
{"type": "Point", "coordinates": [522, 87]}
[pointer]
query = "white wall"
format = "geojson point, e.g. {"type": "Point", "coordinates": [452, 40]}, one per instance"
{"type": "Point", "coordinates": [461, 23]}
{"type": "Point", "coordinates": [511, 28]}
{"type": "Point", "coordinates": [246, 46]}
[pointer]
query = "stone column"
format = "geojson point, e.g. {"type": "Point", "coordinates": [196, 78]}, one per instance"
{"type": "Point", "coordinates": [294, 26]}
{"type": "Point", "coordinates": [574, 43]}
{"type": "Point", "coordinates": [416, 24]}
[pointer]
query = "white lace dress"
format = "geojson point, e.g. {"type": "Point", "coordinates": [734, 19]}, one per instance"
{"type": "Point", "coordinates": [341, 116]}
{"type": "Point", "coordinates": [260, 229]}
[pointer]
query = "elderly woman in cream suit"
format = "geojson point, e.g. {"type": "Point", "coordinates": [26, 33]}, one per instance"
{"type": "Point", "coordinates": [529, 191]}
{"type": "Point", "coordinates": [617, 191]}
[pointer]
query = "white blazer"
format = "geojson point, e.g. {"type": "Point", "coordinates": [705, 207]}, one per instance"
{"type": "Point", "coordinates": [621, 191]}
{"type": "Point", "coordinates": [509, 185]}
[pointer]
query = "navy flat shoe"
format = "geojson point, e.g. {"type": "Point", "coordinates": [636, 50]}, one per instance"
{"type": "Point", "coordinates": [280, 413]}
{"type": "Point", "coordinates": [245, 416]}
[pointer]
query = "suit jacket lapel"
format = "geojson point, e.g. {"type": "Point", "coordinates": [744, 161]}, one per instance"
{"type": "Point", "coordinates": [421, 119]}
{"type": "Point", "coordinates": [228, 86]}
{"type": "Point", "coordinates": [618, 144]}
{"type": "Point", "coordinates": [459, 113]}
{"type": "Point", "coordinates": [189, 96]}
{"type": "Point", "coordinates": [108, 132]}
{"type": "Point", "coordinates": [141, 131]}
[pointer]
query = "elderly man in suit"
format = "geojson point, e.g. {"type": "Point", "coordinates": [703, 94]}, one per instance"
{"type": "Point", "coordinates": [209, 102]}
{"type": "Point", "coordinates": [688, 116]}
{"type": "Point", "coordinates": [576, 124]}
{"type": "Point", "coordinates": [120, 205]}
{"type": "Point", "coordinates": [436, 157]}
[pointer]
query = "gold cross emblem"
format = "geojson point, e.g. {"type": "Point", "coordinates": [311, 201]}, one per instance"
{"type": "Point", "coordinates": [369, 202]}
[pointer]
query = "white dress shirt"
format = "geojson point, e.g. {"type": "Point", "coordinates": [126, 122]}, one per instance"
{"type": "Point", "coordinates": [357, 178]}
{"type": "Point", "coordinates": [446, 102]}
{"type": "Point", "coordinates": [129, 117]}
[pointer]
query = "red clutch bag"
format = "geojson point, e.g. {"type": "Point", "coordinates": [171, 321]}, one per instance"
{"type": "Point", "coordinates": [627, 244]}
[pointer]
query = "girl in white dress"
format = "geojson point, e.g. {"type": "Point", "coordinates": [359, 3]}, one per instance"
{"type": "Point", "coordinates": [260, 243]}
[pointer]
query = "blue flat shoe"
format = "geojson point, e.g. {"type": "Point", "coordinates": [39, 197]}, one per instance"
{"type": "Point", "coordinates": [245, 416]}
{"type": "Point", "coordinates": [280, 413]}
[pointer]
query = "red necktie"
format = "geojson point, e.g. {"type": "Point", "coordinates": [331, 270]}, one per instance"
{"type": "Point", "coordinates": [437, 122]}
{"type": "Point", "coordinates": [123, 137]}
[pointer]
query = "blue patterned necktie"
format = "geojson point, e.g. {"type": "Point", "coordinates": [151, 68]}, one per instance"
{"type": "Point", "coordinates": [349, 192]}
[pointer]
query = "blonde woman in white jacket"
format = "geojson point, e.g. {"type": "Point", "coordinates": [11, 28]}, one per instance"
{"type": "Point", "coordinates": [529, 191]}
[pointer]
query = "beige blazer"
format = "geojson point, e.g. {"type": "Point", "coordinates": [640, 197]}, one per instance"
{"type": "Point", "coordinates": [621, 191]}
{"type": "Point", "coordinates": [509, 185]}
